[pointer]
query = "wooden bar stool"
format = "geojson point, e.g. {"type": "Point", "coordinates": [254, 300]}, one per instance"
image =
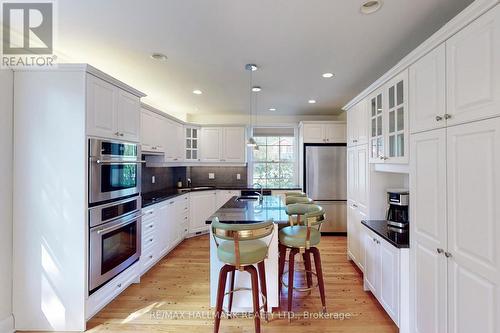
{"type": "Point", "coordinates": [240, 247]}
{"type": "Point", "coordinates": [302, 236]}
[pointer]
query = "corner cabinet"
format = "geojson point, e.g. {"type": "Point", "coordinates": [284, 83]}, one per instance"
{"type": "Point", "coordinates": [112, 112]}
{"type": "Point", "coordinates": [388, 113]}
{"type": "Point", "coordinates": [204, 204]}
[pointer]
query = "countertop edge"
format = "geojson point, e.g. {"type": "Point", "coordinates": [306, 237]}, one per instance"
{"type": "Point", "coordinates": [399, 246]}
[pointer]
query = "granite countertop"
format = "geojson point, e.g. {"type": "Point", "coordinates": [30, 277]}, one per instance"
{"type": "Point", "coordinates": [234, 211]}
{"type": "Point", "coordinates": [380, 227]}
{"type": "Point", "coordinates": [151, 198]}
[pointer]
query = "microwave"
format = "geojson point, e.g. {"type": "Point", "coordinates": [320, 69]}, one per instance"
{"type": "Point", "coordinates": [114, 170]}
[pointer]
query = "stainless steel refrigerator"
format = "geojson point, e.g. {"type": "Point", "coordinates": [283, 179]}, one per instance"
{"type": "Point", "coordinates": [325, 181]}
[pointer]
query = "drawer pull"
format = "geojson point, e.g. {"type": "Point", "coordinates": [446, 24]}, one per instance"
{"type": "Point", "coordinates": [119, 285]}
{"type": "Point", "coordinates": [151, 239]}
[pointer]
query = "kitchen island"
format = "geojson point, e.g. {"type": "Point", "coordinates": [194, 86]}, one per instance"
{"type": "Point", "coordinates": [249, 211]}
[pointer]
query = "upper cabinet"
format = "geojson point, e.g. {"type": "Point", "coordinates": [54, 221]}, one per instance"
{"type": "Point", "coordinates": [396, 133]}
{"type": "Point", "coordinates": [473, 70]}
{"type": "Point", "coordinates": [357, 125]}
{"type": "Point", "coordinates": [428, 91]}
{"type": "Point", "coordinates": [112, 112]}
{"type": "Point", "coordinates": [153, 132]}
{"type": "Point", "coordinates": [192, 145]}
{"type": "Point", "coordinates": [324, 132]}
{"type": "Point", "coordinates": [174, 144]}
{"type": "Point", "coordinates": [223, 144]}
{"type": "Point", "coordinates": [388, 114]}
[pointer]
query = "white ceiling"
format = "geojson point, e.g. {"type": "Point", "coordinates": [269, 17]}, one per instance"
{"type": "Point", "coordinates": [208, 42]}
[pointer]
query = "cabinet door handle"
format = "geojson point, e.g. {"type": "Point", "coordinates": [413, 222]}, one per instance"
{"type": "Point", "coordinates": [355, 206]}
{"type": "Point", "coordinates": [447, 116]}
{"type": "Point", "coordinates": [440, 251]}
{"type": "Point", "coordinates": [354, 141]}
{"type": "Point", "coordinates": [447, 255]}
{"type": "Point", "coordinates": [117, 133]}
{"type": "Point", "coordinates": [439, 118]}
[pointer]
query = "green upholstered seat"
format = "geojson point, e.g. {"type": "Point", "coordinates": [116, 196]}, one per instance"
{"type": "Point", "coordinates": [307, 211]}
{"type": "Point", "coordinates": [295, 236]}
{"type": "Point", "coordinates": [251, 252]}
{"type": "Point", "coordinates": [252, 249]}
{"type": "Point", "coordinates": [294, 200]}
{"type": "Point", "coordinates": [295, 194]}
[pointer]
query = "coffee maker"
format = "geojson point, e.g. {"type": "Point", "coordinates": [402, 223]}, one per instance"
{"type": "Point", "coordinates": [397, 213]}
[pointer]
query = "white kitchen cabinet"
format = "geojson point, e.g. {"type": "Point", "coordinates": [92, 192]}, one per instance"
{"type": "Point", "coordinates": [389, 279]}
{"type": "Point", "coordinates": [428, 269]}
{"type": "Point", "coordinates": [224, 195]}
{"type": "Point", "coordinates": [150, 235]}
{"type": "Point", "coordinates": [203, 205]}
{"type": "Point", "coordinates": [153, 132]}
{"type": "Point", "coordinates": [192, 144]}
{"type": "Point", "coordinates": [324, 132]}
{"type": "Point", "coordinates": [388, 114]}
{"type": "Point", "coordinates": [211, 144]}
{"type": "Point", "coordinates": [112, 112]}
{"type": "Point", "coordinates": [174, 144]}
{"type": "Point", "coordinates": [223, 144]}
{"type": "Point", "coordinates": [376, 115]}
{"type": "Point", "coordinates": [233, 143]}
{"type": "Point", "coordinates": [473, 70]}
{"type": "Point", "coordinates": [384, 273]}
{"type": "Point", "coordinates": [128, 120]}
{"type": "Point", "coordinates": [355, 247]}
{"type": "Point", "coordinates": [427, 91]}
{"type": "Point", "coordinates": [357, 124]}
{"type": "Point", "coordinates": [164, 213]}
{"type": "Point", "coordinates": [473, 173]}
{"type": "Point", "coordinates": [396, 128]}
{"type": "Point", "coordinates": [455, 204]}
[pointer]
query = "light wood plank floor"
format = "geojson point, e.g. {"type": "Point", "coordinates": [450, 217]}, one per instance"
{"type": "Point", "coordinates": [180, 282]}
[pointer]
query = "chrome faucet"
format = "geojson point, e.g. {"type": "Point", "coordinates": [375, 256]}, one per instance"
{"type": "Point", "coordinates": [261, 194]}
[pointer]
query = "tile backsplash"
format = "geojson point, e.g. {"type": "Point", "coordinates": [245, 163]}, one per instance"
{"type": "Point", "coordinates": [224, 175]}
{"type": "Point", "coordinates": [167, 177]}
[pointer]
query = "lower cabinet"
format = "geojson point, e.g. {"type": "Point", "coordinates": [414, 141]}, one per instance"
{"type": "Point", "coordinates": [354, 237]}
{"type": "Point", "coordinates": [385, 275]}
{"type": "Point", "coordinates": [203, 205]}
{"type": "Point", "coordinates": [164, 225]}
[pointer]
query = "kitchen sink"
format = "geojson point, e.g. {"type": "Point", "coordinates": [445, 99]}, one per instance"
{"type": "Point", "coordinates": [247, 198]}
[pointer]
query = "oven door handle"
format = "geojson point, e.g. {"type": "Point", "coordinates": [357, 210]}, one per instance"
{"type": "Point", "coordinates": [119, 162]}
{"type": "Point", "coordinates": [119, 225]}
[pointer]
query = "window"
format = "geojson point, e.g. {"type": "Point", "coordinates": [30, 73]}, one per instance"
{"type": "Point", "coordinates": [274, 161]}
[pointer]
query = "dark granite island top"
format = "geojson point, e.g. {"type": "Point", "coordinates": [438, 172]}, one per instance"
{"type": "Point", "coordinates": [234, 211]}
{"type": "Point", "coordinates": [380, 227]}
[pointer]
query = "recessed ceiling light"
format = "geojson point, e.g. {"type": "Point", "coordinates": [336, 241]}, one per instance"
{"type": "Point", "coordinates": [256, 89]}
{"type": "Point", "coordinates": [371, 6]}
{"type": "Point", "coordinates": [272, 109]}
{"type": "Point", "coordinates": [328, 75]}
{"type": "Point", "coordinates": [159, 57]}
{"type": "Point", "coordinates": [311, 101]}
{"type": "Point", "coordinates": [197, 92]}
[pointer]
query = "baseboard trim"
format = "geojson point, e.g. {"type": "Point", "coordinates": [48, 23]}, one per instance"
{"type": "Point", "coordinates": [7, 325]}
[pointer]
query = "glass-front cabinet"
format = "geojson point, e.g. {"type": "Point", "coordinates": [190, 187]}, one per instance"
{"type": "Point", "coordinates": [389, 122]}
{"type": "Point", "coordinates": [192, 143]}
{"type": "Point", "coordinates": [376, 102]}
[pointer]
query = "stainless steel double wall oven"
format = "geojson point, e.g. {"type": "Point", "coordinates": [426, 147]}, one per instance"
{"type": "Point", "coordinates": [114, 209]}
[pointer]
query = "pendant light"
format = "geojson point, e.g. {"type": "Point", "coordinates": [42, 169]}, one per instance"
{"type": "Point", "coordinates": [251, 68]}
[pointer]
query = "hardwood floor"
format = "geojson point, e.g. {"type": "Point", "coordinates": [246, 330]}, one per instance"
{"type": "Point", "coordinates": [180, 282]}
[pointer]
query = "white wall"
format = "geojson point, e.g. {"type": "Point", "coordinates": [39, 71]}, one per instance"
{"type": "Point", "coordinates": [259, 120]}
{"type": "Point", "coordinates": [6, 87]}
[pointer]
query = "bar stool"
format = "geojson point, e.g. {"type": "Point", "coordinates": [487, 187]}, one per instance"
{"type": "Point", "coordinates": [302, 237]}
{"type": "Point", "coordinates": [296, 200]}
{"type": "Point", "coordinates": [239, 247]}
